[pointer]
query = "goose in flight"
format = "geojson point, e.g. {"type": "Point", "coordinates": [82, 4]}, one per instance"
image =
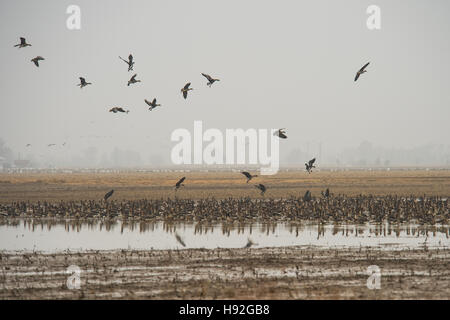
{"type": "Point", "coordinates": [118, 109]}
{"type": "Point", "coordinates": [177, 236]}
{"type": "Point", "coordinates": [108, 195]}
{"type": "Point", "coordinates": [28, 145]}
{"type": "Point", "coordinates": [249, 243]}
{"type": "Point", "coordinates": [361, 71]}
{"type": "Point", "coordinates": [280, 133]}
{"type": "Point", "coordinates": [130, 62]}
{"type": "Point", "coordinates": [179, 183]}
{"type": "Point", "coordinates": [36, 60]}
{"type": "Point", "coordinates": [23, 43]}
{"type": "Point", "coordinates": [211, 80]}
{"type": "Point", "coordinates": [310, 164]}
{"type": "Point", "coordinates": [186, 89]}
{"type": "Point", "coordinates": [51, 145]}
{"type": "Point", "coordinates": [133, 79]}
{"type": "Point", "coordinates": [152, 104]}
{"type": "Point", "coordinates": [262, 188]}
{"type": "Point", "coordinates": [83, 83]}
{"type": "Point", "coordinates": [248, 175]}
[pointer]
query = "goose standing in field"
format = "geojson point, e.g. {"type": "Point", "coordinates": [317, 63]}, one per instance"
{"type": "Point", "coordinates": [133, 79]}
{"type": "Point", "coordinates": [179, 183]}
{"type": "Point", "coordinates": [23, 43]}
{"type": "Point", "coordinates": [248, 175]}
{"type": "Point", "coordinates": [280, 133]}
{"type": "Point", "coordinates": [152, 104]}
{"type": "Point", "coordinates": [36, 60]}
{"type": "Point", "coordinates": [186, 89]}
{"type": "Point", "coordinates": [361, 71]}
{"type": "Point", "coordinates": [326, 194]}
{"type": "Point", "coordinates": [211, 80]}
{"type": "Point", "coordinates": [118, 109]}
{"type": "Point", "coordinates": [307, 197]}
{"type": "Point", "coordinates": [108, 195]}
{"type": "Point", "coordinates": [130, 62]}
{"type": "Point", "coordinates": [83, 83]}
{"type": "Point", "coordinates": [262, 188]}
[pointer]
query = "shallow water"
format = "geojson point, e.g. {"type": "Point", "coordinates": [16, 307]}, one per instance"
{"type": "Point", "coordinates": [51, 236]}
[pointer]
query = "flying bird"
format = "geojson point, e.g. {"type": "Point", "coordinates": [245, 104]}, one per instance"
{"type": "Point", "coordinates": [177, 236]}
{"type": "Point", "coordinates": [36, 60]}
{"type": "Point", "coordinates": [108, 195]}
{"type": "Point", "coordinates": [262, 188]}
{"type": "Point", "coordinates": [118, 109]}
{"type": "Point", "coordinates": [280, 133]}
{"type": "Point", "coordinates": [28, 145]}
{"type": "Point", "coordinates": [23, 43]}
{"type": "Point", "coordinates": [310, 164]}
{"type": "Point", "coordinates": [186, 89]}
{"type": "Point", "coordinates": [133, 79]}
{"type": "Point", "coordinates": [248, 175]}
{"type": "Point", "coordinates": [51, 145]}
{"type": "Point", "coordinates": [211, 80]}
{"type": "Point", "coordinates": [130, 62]}
{"type": "Point", "coordinates": [152, 104]}
{"type": "Point", "coordinates": [249, 243]}
{"type": "Point", "coordinates": [83, 83]}
{"type": "Point", "coordinates": [179, 183]}
{"type": "Point", "coordinates": [361, 71]}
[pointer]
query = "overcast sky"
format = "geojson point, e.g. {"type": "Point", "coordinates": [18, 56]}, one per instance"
{"type": "Point", "coordinates": [282, 64]}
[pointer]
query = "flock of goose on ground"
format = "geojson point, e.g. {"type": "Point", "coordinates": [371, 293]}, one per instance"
{"type": "Point", "coordinates": [327, 208]}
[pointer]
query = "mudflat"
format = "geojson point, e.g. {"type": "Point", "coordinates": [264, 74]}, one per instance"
{"type": "Point", "coordinates": [254, 273]}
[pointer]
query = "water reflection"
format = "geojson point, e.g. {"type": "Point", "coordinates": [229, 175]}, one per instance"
{"type": "Point", "coordinates": [53, 235]}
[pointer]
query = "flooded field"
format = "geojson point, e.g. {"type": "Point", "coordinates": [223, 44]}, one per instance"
{"type": "Point", "coordinates": [59, 236]}
{"type": "Point", "coordinates": [219, 238]}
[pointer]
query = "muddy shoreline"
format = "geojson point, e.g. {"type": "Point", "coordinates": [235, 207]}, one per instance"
{"type": "Point", "coordinates": [254, 273]}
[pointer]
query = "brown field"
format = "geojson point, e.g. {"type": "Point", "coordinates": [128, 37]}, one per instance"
{"type": "Point", "coordinates": [135, 185]}
{"type": "Point", "coordinates": [262, 273]}
{"type": "Point", "coordinates": [255, 273]}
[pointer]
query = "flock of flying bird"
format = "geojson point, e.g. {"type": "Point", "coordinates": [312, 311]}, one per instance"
{"type": "Point", "coordinates": [281, 133]}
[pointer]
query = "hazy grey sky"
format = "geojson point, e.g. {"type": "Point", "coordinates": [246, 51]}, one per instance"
{"type": "Point", "coordinates": [282, 64]}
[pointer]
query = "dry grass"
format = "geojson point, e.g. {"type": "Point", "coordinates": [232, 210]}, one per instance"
{"type": "Point", "coordinates": [135, 185]}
